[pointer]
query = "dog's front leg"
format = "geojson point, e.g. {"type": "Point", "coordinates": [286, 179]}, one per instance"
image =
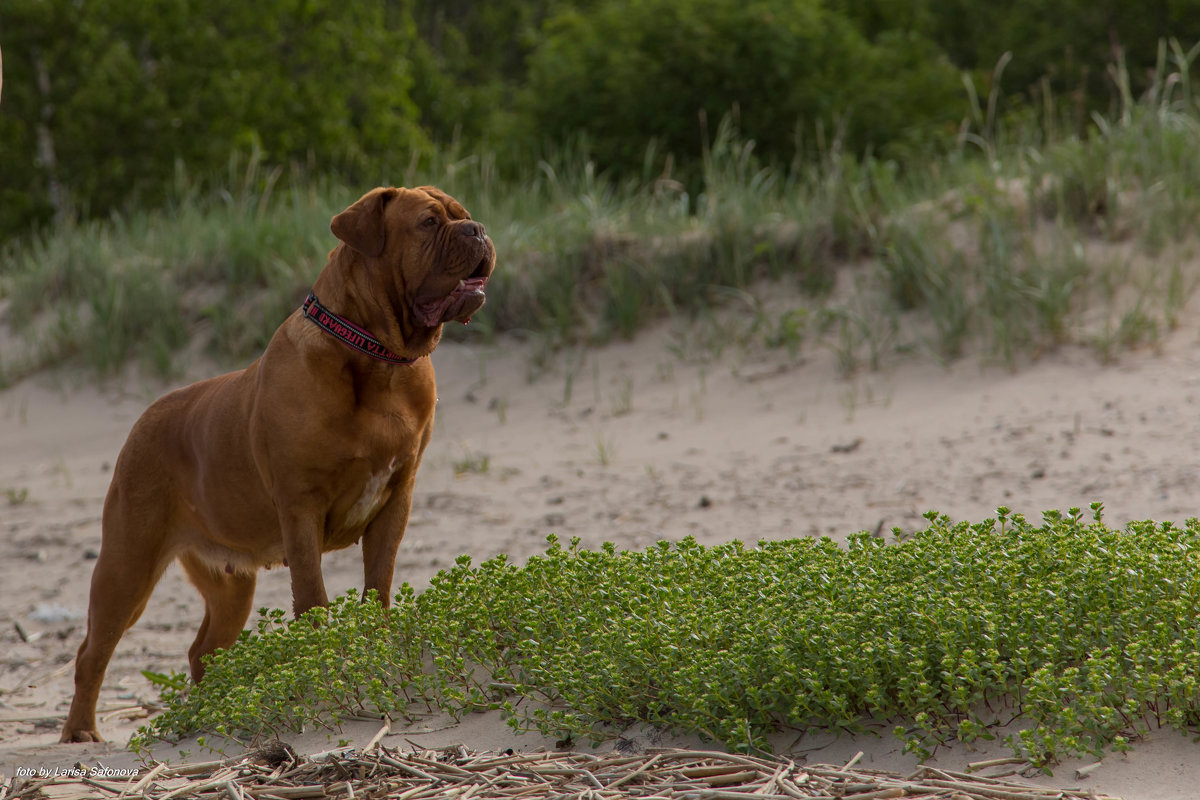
{"type": "Point", "coordinates": [302, 538]}
{"type": "Point", "coordinates": [382, 539]}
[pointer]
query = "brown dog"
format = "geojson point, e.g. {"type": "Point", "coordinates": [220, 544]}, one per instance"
{"type": "Point", "coordinates": [311, 448]}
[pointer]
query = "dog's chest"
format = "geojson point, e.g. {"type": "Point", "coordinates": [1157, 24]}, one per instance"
{"type": "Point", "coordinates": [375, 492]}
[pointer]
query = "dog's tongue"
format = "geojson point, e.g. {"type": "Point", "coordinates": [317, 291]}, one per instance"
{"type": "Point", "coordinates": [435, 312]}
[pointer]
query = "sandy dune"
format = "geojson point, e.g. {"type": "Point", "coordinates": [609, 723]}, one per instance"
{"type": "Point", "coordinates": [627, 444]}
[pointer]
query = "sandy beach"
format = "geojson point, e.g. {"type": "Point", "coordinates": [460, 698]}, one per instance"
{"type": "Point", "coordinates": [630, 443]}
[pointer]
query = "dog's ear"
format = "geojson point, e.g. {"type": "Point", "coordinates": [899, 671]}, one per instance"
{"type": "Point", "coordinates": [361, 225]}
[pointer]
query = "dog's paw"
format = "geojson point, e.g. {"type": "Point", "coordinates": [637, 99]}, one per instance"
{"type": "Point", "coordinates": [79, 736]}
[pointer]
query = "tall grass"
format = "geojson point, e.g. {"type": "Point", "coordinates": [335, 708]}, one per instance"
{"type": "Point", "coordinates": [997, 247]}
{"type": "Point", "coordinates": [226, 264]}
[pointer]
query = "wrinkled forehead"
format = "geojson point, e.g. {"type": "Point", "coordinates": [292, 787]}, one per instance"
{"type": "Point", "coordinates": [434, 199]}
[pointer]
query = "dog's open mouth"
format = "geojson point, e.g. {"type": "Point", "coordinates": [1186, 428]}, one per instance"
{"type": "Point", "coordinates": [463, 300]}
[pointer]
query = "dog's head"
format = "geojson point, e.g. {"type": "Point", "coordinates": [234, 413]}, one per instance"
{"type": "Point", "coordinates": [436, 259]}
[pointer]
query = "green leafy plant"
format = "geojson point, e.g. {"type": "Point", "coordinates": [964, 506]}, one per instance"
{"type": "Point", "coordinates": [1085, 634]}
{"type": "Point", "coordinates": [330, 662]}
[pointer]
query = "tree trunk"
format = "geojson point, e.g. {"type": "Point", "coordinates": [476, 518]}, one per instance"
{"type": "Point", "coordinates": [45, 141]}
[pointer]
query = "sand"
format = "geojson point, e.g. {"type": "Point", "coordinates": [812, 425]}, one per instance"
{"type": "Point", "coordinates": [630, 444]}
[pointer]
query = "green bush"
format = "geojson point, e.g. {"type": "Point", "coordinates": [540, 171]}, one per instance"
{"type": "Point", "coordinates": [1087, 634]}
{"type": "Point", "coordinates": [104, 99]}
{"type": "Point", "coordinates": [627, 72]}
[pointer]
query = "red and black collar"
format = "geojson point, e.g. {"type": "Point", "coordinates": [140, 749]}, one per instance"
{"type": "Point", "coordinates": [350, 334]}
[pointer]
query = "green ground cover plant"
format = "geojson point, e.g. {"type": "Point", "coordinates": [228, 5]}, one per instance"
{"type": "Point", "coordinates": [1080, 635]}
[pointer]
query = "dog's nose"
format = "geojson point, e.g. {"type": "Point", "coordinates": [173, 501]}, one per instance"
{"type": "Point", "coordinates": [474, 229]}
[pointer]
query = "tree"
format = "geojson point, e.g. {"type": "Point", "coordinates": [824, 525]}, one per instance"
{"type": "Point", "coordinates": [628, 71]}
{"type": "Point", "coordinates": [108, 96]}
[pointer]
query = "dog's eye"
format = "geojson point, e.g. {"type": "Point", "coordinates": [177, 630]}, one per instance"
{"type": "Point", "coordinates": [429, 222]}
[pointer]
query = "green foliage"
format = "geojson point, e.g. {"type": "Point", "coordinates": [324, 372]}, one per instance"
{"type": "Point", "coordinates": [993, 255]}
{"type": "Point", "coordinates": [1060, 48]}
{"type": "Point", "coordinates": [1085, 633]}
{"type": "Point", "coordinates": [471, 62]}
{"type": "Point", "coordinates": [901, 83]}
{"type": "Point", "coordinates": [329, 662]}
{"type": "Point", "coordinates": [627, 72]}
{"type": "Point", "coordinates": [105, 98]}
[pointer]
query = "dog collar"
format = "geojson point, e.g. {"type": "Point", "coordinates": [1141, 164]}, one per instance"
{"type": "Point", "coordinates": [349, 333]}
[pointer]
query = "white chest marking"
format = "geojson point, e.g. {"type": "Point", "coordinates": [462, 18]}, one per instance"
{"type": "Point", "coordinates": [374, 493]}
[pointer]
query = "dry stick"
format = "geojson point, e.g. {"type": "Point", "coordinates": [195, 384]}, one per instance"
{"type": "Point", "coordinates": [412, 770]}
{"type": "Point", "coordinates": [615, 760]}
{"type": "Point", "coordinates": [337, 751]}
{"type": "Point", "coordinates": [580, 773]}
{"type": "Point", "coordinates": [719, 769]}
{"type": "Point", "coordinates": [926, 773]}
{"type": "Point", "coordinates": [101, 785]}
{"type": "Point", "coordinates": [894, 791]}
{"type": "Point", "coordinates": [734, 779]}
{"type": "Point", "coordinates": [184, 770]}
{"type": "Point", "coordinates": [410, 793]}
{"type": "Point", "coordinates": [1031, 793]}
{"type": "Point", "coordinates": [670, 774]}
{"type": "Point", "coordinates": [439, 765]}
{"type": "Point", "coordinates": [995, 762]}
{"type": "Point", "coordinates": [293, 792]}
{"type": "Point", "coordinates": [713, 754]}
{"type": "Point", "coordinates": [146, 779]}
{"type": "Point", "coordinates": [952, 775]}
{"type": "Point", "coordinates": [387, 727]}
{"type": "Point", "coordinates": [645, 767]}
{"type": "Point", "coordinates": [773, 781]}
{"type": "Point", "coordinates": [207, 784]}
{"type": "Point", "coordinates": [724, 794]}
{"type": "Point", "coordinates": [127, 713]}
{"type": "Point", "coordinates": [793, 792]}
{"type": "Point", "coordinates": [480, 766]}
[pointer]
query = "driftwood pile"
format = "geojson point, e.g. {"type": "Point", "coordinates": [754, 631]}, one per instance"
{"type": "Point", "coordinates": [380, 772]}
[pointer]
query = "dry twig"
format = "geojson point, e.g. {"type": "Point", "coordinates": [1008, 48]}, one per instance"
{"type": "Point", "coordinates": [276, 772]}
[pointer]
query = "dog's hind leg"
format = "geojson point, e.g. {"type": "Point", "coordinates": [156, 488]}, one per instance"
{"type": "Point", "coordinates": [125, 575]}
{"type": "Point", "coordinates": [228, 599]}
